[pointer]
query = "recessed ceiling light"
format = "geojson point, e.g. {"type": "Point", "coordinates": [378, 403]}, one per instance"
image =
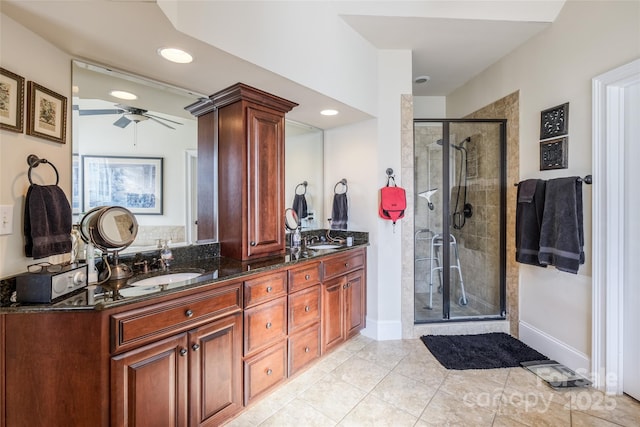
{"type": "Point", "coordinates": [175, 55]}
{"type": "Point", "coordinates": [422, 79]}
{"type": "Point", "coordinates": [123, 95]}
{"type": "Point", "coordinates": [329, 112]}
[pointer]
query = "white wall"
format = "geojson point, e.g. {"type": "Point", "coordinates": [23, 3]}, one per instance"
{"type": "Point", "coordinates": [46, 65]}
{"type": "Point", "coordinates": [429, 107]}
{"type": "Point", "coordinates": [361, 153]}
{"type": "Point", "coordinates": [554, 67]}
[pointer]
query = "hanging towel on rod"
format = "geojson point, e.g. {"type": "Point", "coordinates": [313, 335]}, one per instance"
{"type": "Point", "coordinates": [47, 221]}
{"type": "Point", "coordinates": [300, 202]}
{"type": "Point", "coordinates": [529, 211]}
{"type": "Point", "coordinates": [340, 210]}
{"type": "Point", "coordinates": [561, 232]}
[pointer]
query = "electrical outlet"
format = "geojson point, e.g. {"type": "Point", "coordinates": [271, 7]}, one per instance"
{"type": "Point", "coordinates": [6, 219]}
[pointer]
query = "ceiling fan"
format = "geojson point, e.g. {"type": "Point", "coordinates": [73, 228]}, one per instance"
{"type": "Point", "coordinates": [129, 114]}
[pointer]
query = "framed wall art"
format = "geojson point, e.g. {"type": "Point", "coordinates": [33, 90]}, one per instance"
{"type": "Point", "coordinates": [554, 154]}
{"type": "Point", "coordinates": [11, 101]}
{"type": "Point", "coordinates": [554, 121]}
{"type": "Point", "coordinates": [131, 182]}
{"type": "Point", "coordinates": [46, 114]}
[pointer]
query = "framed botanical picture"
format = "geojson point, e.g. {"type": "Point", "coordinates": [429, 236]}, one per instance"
{"type": "Point", "coordinates": [131, 182]}
{"type": "Point", "coordinates": [46, 114]}
{"type": "Point", "coordinates": [11, 101]}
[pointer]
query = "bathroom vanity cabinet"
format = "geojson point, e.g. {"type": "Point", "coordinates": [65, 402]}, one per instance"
{"type": "Point", "coordinates": [343, 297]}
{"type": "Point", "coordinates": [191, 375]}
{"type": "Point", "coordinates": [245, 127]}
{"type": "Point", "coordinates": [194, 357]}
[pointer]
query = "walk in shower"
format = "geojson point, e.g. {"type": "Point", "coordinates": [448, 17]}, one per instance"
{"type": "Point", "coordinates": [459, 219]}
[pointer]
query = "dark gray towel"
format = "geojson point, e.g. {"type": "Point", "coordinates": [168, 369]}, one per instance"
{"type": "Point", "coordinates": [562, 234]}
{"type": "Point", "coordinates": [529, 212]}
{"type": "Point", "coordinates": [339, 214]}
{"type": "Point", "coordinates": [47, 221]}
{"type": "Point", "coordinates": [300, 206]}
{"type": "Point", "coordinates": [527, 190]}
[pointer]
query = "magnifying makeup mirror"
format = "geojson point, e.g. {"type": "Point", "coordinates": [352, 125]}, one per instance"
{"type": "Point", "coordinates": [291, 219]}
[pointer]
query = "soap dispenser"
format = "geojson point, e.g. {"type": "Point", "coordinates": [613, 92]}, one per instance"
{"type": "Point", "coordinates": [297, 238]}
{"type": "Point", "coordinates": [165, 254]}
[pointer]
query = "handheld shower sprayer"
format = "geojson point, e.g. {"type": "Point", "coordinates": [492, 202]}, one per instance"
{"type": "Point", "coordinates": [427, 195]}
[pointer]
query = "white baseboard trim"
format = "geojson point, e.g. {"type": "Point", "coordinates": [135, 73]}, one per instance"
{"type": "Point", "coordinates": [554, 348]}
{"type": "Point", "coordinates": [383, 331]}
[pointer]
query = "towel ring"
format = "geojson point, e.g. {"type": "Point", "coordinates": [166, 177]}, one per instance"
{"type": "Point", "coordinates": [304, 185]}
{"type": "Point", "coordinates": [34, 161]}
{"type": "Point", "coordinates": [343, 181]}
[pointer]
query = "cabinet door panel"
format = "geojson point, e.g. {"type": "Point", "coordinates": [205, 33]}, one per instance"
{"type": "Point", "coordinates": [266, 182]}
{"type": "Point", "coordinates": [265, 370]}
{"type": "Point", "coordinates": [215, 352]}
{"type": "Point", "coordinates": [332, 312]}
{"type": "Point", "coordinates": [304, 347]}
{"type": "Point", "coordinates": [354, 303]}
{"type": "Point", "coordinates": [149, 385]}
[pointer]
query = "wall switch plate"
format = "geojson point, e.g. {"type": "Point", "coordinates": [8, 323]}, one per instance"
{"type": "Point", "coordinates": [6, 219]}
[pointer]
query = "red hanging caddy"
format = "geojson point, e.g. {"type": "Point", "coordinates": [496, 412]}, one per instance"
{"type": "Point", "coordinates": [393, 201]}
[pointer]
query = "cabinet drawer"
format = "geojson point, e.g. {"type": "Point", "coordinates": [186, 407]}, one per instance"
{"type": "Point", "coordinates": [265, 288]}
{"type": "Point", "coordinates": [134, 327]}
{"type": "Point", "coordinates": [304, 347]}
{"type": "Point", "coordinates": [264, 370]}
{"type": "Point", "coordinates": [265, 324]}
{"type": "Point", "coordinates": [342, 264]}
{"type": "Point", "coordinates": [304, 308]}
{"type": "Point", "coordinates": [304, 276]}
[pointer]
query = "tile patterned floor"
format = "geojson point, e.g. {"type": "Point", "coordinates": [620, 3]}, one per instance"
{"type": "Point", "coordinates": [399, 383]}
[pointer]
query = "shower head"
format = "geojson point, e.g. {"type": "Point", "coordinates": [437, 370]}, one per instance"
{"type": "Point", "coordinates": [457, 147]}
{"type": "Point", "coordinates": [427, 195]}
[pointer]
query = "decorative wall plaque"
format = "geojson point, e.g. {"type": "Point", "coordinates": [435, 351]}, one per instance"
{"type": "Point", "coordinates": [554, 121]}
{"type": "Point", "coordinates": [554, 154]}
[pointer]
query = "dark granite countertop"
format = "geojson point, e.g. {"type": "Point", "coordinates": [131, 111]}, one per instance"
{"type": "Point", "coordinates": [213, 268]}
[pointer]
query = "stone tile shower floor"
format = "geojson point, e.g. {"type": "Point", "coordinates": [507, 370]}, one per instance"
{"type": "Point", "coordinates": [399, 383]}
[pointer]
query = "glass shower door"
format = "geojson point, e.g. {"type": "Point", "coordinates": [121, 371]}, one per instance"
{"type": "Point", "coordinates": [459, 186]}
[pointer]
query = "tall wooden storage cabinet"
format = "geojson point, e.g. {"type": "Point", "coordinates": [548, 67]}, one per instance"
{"type": "Point", "coordinates": [245, 127]}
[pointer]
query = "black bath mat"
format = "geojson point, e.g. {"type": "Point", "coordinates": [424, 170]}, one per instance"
{"type": "Point", "coordinates": [483, 351]}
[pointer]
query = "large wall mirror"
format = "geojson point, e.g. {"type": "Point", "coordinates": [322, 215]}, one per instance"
{"type": "Point", "coordinates": [142, 154]}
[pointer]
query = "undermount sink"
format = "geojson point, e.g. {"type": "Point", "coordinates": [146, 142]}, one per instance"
{"type": "Point", "coordinates": [165, 279]}
{"type": "Point", "coordinates": [324, 246]}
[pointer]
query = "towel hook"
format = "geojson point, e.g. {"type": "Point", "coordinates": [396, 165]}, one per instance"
{"type": "Point", "coordinates": [343, 181]}
{"type": "Point", "coordinates": [303, 184]}
{"type": "Point", "coordinates": [34, 161]}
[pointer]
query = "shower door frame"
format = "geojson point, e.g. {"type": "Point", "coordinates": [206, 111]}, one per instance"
{"type": "Point", "coordinates": [446, 222]}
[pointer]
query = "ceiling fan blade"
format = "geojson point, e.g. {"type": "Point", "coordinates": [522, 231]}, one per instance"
{"type": "Point", "coordinates": [122, 122]}
{"type": "Point", "coordinates": [99, 112]}
{"type": "Point", "coordinates": [131, 109]}
{"type": "Point", "coordinates": [158, 121]}
{"type": "Point", "coordinates": [162, 118]}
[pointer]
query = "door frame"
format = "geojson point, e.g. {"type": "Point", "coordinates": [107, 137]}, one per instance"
{"type": "Point", "coordinates": [608, 132]}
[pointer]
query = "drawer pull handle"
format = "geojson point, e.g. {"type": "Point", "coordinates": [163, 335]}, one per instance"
{"type": "Point", "coordinates": [307, 308]}
{"type": "Point", "coordinates": [252, 243]}
{"type": "Point", "coordinates": [183, 352]}
{"type": "Point", "coordinates": [269, 288]}
{"type": "Point", "coordinates": [188, 313]}
{"type": "Point", "coordinates": [307, 349]}
{"type": "Point", "coordinates": [269, 372]}
{"type": "Point", "coordinates": [346, 264]}
{"type": "Point", "coordinates": [307, 277]}
{"type": "Point", "coordinates": [269, 325]}
{"type": "Point", "coordinates": [195, 347]}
